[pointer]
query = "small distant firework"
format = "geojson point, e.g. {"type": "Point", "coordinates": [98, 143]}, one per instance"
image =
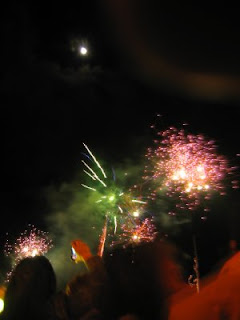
{"type": "Point", "coordinates": [186, 165]}
{"type": "Point", "coordinates": [136, 231]}
{"type": "Point", "coordinates": [32, 242]}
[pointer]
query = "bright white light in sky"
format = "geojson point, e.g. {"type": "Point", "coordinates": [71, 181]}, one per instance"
{"type": "Point", "coordinates": [83, 50]}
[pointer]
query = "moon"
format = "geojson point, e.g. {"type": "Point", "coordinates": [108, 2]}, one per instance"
{"type": "Point", "coordinates": [83, 50]}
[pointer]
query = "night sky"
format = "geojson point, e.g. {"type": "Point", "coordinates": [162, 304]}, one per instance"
{"type": "Point", "coordinates": [145, 59]}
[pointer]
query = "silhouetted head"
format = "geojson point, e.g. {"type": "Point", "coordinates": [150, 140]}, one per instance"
{"type": "Point", "coordinates": [32, 284]}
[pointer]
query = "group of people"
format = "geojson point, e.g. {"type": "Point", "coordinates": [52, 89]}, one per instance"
{"type": "Point", "coordinates": [133, 283]}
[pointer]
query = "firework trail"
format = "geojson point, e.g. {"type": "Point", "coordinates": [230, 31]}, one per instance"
{"type": "Point", "coordinates": [32, 242]}
{"type": "Point", "coordinates": [102, 239]}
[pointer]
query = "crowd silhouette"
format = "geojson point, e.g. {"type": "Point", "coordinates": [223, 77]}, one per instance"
{"type": "Point", "coordinates": [139, 282]}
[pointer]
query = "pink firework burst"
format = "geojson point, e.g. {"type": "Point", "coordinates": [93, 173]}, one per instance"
{"type": "Point", "coordinates": [32, 242]}
{"type": "Point", "coordinates": [187, 165]}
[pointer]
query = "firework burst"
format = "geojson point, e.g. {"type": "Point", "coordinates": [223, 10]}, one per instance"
{"type": "Point", "coordinates": [107, 194]}
{"type": "Point", "coordinates": [186, 165]}
{"type": "Point", "coordinates": [135, 231]}
{"type": "Point", "coordinates": [32, 242]}
{"type": "Point", "coordinates": [112, 200]}
{"type": "Point", "coordinates": [118, 206]}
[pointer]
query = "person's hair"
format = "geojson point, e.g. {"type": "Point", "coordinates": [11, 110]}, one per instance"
{"type": "Point", "coordinates": [32, 284]}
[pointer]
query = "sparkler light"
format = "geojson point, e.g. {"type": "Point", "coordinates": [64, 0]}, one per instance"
{"type": "Point", "coordinates": [32, 242]}
{"type": "Point", "coordinates": [186, 165]}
